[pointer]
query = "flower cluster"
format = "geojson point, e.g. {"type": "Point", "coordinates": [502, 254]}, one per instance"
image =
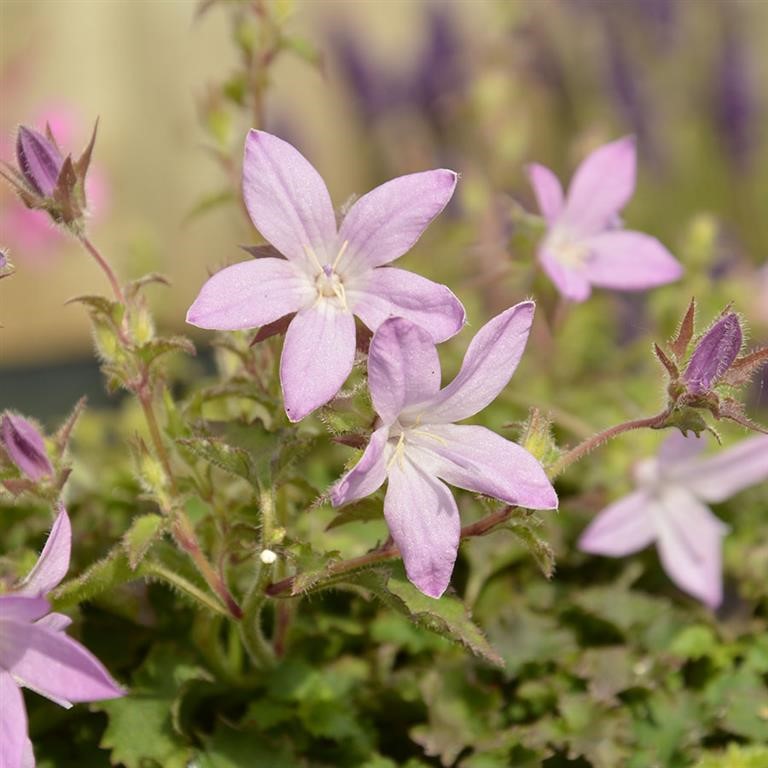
{"type": "Point", "coordinates": [317, 276]}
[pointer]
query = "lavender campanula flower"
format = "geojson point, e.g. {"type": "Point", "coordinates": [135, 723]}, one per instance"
{"type": "Point", "coordinates": [583, 246]}
{"type": "Point", "coordinates": [417, 445]}
{"type": "Point", "coordinates": [669, 507]}
{"type": "Point", "coordinates": [36, 653]}
{"type": "Point", "coordinates": [39, 161]}
{"type": "Point", "coordinates": [25, 447]}
{"type": "Point", "coordinates": [714, 354]}
{"type": "Point", "coordinates": [328, 275]}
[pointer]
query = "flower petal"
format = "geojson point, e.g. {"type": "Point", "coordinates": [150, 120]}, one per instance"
{"type": "Point", "coordinates": [57, 622]}
{"type": "Point", "coordinates": [53, 563]}
{"type": "Point", "coordinates": [723, 475]}
{"type": "Point", "coordinates": [250, 294]}
{"type": "Point", "coordinates": [572, 283]}
{"type": "Point", "coordinates": [624, 527]}
{"type": "Point", "coordinates": [690, 545]}
{"type": "Point", "coordinates": [367, 476]}
{"type": "Point", "coordinates": [380, 294]}
{"type": "Point", "coordinates": [288, 201]}
{"type": "Point", "coordinates": [53, 664]}
{"type": "Point", "coordinates": [679, 448]}
{"type": "Point", "coordinates": [318, 354]}
{"type": "Point", "coordinates": [476, 459]}
{"type": "Point", "coordinates": [384, 224]}
{"type": "Point", "coordinates": [20, 608]}
{"type": "Point", "coordinates": [630, 261]}
{"type": "Point", "coordinates": [490, 361]}
{"type": "Point", "coordinates": [403, 367]}
{"type": "Point", "coordinates": [424, 522]}
{"type": "Point", "coordinates": [548, 191]}
{"type": "Point", "coordinates": [601, 187]}
{"type": "Point", "coordinates": [13, 723]}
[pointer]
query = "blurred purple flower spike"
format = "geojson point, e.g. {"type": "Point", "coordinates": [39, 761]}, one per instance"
{"type": "Point", "coordinates": [328, 275]}
{"type": "Point", "coordinates": [417, 446]}
{"type": "Point", "coordinates": [736, 108]}
{"type": "Point", "coordinates": [25, 447]}
{"type": "Point", "coordinates": [714, 354]}
{"type": "Point", "coordinates": [584, 247]}
{"type": "Point", "coordinates": [669, 508]}
{"type": "Point", "coordinates": [39, 161]}
{"type": "Point", "coordinates": [35, 652]}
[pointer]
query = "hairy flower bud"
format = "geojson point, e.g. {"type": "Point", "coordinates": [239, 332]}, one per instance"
{"type": "Point", "coordinates": [714, 354]}
{"type": "Point", "coordinates": [39, 161]}
{"type": "Point", "coordinates": [44, 179]}
{"type": "Point", "coordinates": [24, 446]}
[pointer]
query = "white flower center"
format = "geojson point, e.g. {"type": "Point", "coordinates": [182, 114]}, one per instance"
{"type": "Point", "coordinates": [569, 252]}
{"type": "Point", "coordinates": [329, 283]}
{"type": "Point", "coordinates": [400, 435]}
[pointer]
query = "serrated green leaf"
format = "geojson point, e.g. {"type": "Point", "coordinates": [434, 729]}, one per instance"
{"type": "Point", "coordinates": [447, 616]}
{"type": "Point", "coordinates": [362, 511]}
{"type": "Point", "coordinates": [231, 459]}
{"type": "Point", "coordinates": [140, 728]}
{"type": "Point", "coordinates": [156, 348]}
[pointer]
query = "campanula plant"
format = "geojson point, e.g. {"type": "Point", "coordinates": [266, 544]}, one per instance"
{"type": "Point", "coordinates": [343, 536]}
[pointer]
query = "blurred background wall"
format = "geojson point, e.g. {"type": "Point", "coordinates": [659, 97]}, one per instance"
{"type": "Point", "coordinates": [482, 86]}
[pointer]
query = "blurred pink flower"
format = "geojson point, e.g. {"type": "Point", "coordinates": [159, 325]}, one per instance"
{"type": "Point", "coordinates": [668, 508]}
{"type": "Point", "coordinates": [585, 245]}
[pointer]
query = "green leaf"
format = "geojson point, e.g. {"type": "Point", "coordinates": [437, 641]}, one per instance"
{"type": "Point", "coordinates": [140, 728]}
{"type": "Point", "coordinates": [231, 748]}
{"type": "Point", "coordinates": [462, 713]}
{"type": "Point", "coordinates": [143, 532]}
{"type": "Point", "coordinates": [447, 616]}
{"type": "Point", "coordinates": [736, 756]}
{"type": "Point", "coordinates": [362, 511]}
{"type": "Point", "coordinates": [523, 528]}
{"type": "Point", "coordinates": [234, 460]}
{"type": "Point", "coordinates": [151, 350]}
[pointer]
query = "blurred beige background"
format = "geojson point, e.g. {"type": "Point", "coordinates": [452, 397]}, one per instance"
{"type": "Point", "coordinates": [140, 65]}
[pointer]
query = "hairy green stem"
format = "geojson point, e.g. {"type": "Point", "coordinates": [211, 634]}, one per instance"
{"type": "Point", "coordinates": [588, 445]}
{"type": "Point", "coordinates": [183, 530]}
{"type": "Point", "coordinates": [251, 633]}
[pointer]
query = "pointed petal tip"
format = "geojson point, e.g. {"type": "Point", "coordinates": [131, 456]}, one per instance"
{"type": "Point", "coordinates": [430, 584]}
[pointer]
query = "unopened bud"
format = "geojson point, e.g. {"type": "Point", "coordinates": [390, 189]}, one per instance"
{"type": "Point", "coordinates": [25, 447]}
{"type": "Point", "coordinates": [714, 354]}
{"type": "Point", "coordinates": [39, 161]}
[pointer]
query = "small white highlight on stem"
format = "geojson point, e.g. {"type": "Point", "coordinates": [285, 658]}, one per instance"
{"type": "Point", "coordinates": [267, 556]}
